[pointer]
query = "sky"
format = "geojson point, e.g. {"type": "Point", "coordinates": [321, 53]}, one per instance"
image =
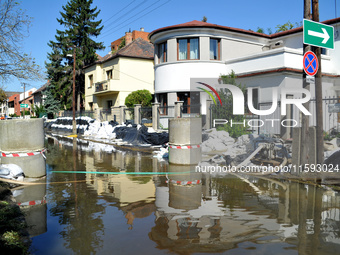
{"type": "Point", "coordinates": [120, 16]}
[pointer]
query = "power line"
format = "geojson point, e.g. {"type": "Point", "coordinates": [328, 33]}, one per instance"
{"type": "Point", "coordinates": [135, 19]}
{"type": "Point", "coordinates": [119, 11]}
{"type": "Point", "coordinates": [132, 16]}
{"type": "Point", "coordinates": [129, 10]}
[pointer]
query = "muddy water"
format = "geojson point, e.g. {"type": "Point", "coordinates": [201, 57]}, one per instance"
{"type": "Point", "coordinates": [134, 211]}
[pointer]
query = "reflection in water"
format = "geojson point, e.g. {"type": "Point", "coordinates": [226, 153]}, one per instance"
{"type": "Point", "coordinates": [181, 213]}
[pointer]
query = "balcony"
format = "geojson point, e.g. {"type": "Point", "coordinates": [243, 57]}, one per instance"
{"type": "Point", "coordinates": [101, 86]}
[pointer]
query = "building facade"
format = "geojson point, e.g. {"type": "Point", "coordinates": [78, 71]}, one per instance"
{"type": "Point", "coordinates": [112, 78]}
{"type": "Point", "coordinates": [203, 50]}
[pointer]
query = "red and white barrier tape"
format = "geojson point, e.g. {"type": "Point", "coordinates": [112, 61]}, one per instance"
{"type": "Point", "coordinates": [184, 182]}
{"type": "Point", "coordinates": [34, 202]}
{"type": "Point", "coordinates": [26, 154]}
{"type": "Point", "coordinates": [184, 147]}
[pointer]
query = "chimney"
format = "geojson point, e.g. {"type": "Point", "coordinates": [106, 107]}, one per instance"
{"type": "Point", "coordinates": [142, 29]}
{"type": "Point", "coordinates": [128, 38]}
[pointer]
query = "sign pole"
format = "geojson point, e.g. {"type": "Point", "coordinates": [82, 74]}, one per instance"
{"type": "Point", "coordinates": [318, 95]}
{"type": "Point", "coordinates": [304, 149]}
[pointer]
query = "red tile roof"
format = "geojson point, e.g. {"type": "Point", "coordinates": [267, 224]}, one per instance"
{"type": "Point", "coordinates": [196, 23]}
{"type": "Point", "coordinates": [139, 48]}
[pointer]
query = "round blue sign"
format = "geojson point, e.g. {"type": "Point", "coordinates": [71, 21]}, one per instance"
{"type": "Point", "coordinates": [310, 63]}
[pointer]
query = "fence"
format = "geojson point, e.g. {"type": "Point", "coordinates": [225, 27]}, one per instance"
{"type": "Point", "coordinates": [189, 111]}
{"type": "Point", "coordinates": [78, 114]}
{"type": "Point", "coordinates": [145, 114]}
{"type": "Point", "coordinates": [129, 115]}
{"type": "Point", "coordinates": [105, 115]}
{"type": "Point", "coordinates": [275, 123]}
{"type": "Point", "coordinates": [164, 114]}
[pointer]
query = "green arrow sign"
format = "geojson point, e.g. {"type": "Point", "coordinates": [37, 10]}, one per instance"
{"type": "Point", "coordinates": [24, 105]}
{"type": "Point", "coordinates": [318, 34]}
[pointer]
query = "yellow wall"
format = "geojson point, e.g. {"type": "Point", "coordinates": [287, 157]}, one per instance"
{"type": "Point", "coordinates": [129, 74]}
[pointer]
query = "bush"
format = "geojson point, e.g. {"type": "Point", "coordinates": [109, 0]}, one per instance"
{"type": "Point", "coordinates": [143, 97]}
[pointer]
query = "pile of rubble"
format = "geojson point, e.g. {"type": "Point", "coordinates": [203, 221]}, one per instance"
{"type": "Point", "coordinates": [223, 148]}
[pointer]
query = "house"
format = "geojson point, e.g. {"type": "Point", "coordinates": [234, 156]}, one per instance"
{"type": "Point", "coordinates": [203, 50]}
{"type": "Point", "coordinates": [38, 97]}
{"type": "Point", "coordinates": [12, 106]}
{"type": "Point", "coordinates": [27, 98]}
{"type": "Point", "coordinates": [112, 78]}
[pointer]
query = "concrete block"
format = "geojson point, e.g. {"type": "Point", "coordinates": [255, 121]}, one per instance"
{"type": "Point", "coordinates": [22, 135]}
{"type": "Point", "coordinates": [185, 131]}
{"type": "Point", "coordinates": [185, 156]}
{"type": "Point", "coordinates": [33, 166]}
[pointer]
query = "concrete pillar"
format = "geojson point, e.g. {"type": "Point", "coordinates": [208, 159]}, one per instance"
{"type": "Point", "coordinates": [97, 114]}
{"type": "Point", "coordinates": [178, 111]}
{"type": "Point", "coordinates": [122, 114]}
{"type": "Point", "coordinates": [36, 215]}
{"type": "Point", "coordinates": [185, 138]}
{"type": "Point", "coordinates": [208, 115]}
{"type": "Point", "coordinates": [155, 116]}
{"type": "Point", "coordinates": [137, 114]}
{"type": "Point", "coordinates": [26, 139]}
{"type": "Point", "coordinates": [185, 189]}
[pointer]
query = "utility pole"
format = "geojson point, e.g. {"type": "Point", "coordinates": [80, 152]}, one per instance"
{"type": "Point", "coordinates": [304, 148]}
{"type": "Point", "coordinates": [74, 131]}
{"type": "Point", "coordinates": [318, 95]}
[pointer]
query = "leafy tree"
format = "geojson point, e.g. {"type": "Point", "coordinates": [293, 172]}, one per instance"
{"type": "Point", "coordinates": [14, 25]}
{"type": "Point", "coordinates": [3, 96]}
{"type": "Point", "coordinates": [204, 19]}
{"type": "Point", "coordinates": [78, 19]}
{"type": "Point", "coordinates": [50, 103]}
{"type": "Point", "coordinates": [143, 97]}
{"type": "Point", "coordinates": [225, 111]}
{"type": "Point", "coordinates": [38, 109]}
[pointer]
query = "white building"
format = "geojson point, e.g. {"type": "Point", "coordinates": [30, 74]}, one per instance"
{"type": "Point", "coordinates": [203, 50]}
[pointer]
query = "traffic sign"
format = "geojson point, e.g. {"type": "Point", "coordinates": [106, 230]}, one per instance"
{"type": "Point", "coordinates": [23, 105]}
{"type": "Point", "coordinates": [310, 63]}
{"type": "Point", "coordinates": [318, 34]}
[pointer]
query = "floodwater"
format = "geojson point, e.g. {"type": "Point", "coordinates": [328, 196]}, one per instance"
{"type": "Point", "coordinates": [142, 210]}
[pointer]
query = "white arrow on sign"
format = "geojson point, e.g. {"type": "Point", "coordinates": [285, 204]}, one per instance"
{"type": "Point", "coordinates": [323, 35]}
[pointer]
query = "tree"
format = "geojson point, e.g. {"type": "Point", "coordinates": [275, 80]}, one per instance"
{"type": "Point", "coordinates": [204, 19]}
{"type": "Point", "coordinates": [50, 103]}
{"type": "Point", "coordinates": [14, 26]}
{"type": "Point", "coordinates": [3, 96]}
{"type": "Point", "coordinates": [225, 111]}
{"type": "Point", "coordinates": [78, 19]}
{"type": "Point", "coordinates": [142, 97]}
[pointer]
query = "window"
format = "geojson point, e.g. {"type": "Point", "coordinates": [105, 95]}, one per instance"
{"type": "Point", "coordinates": [188, 48]}
{"type": "Point", "coordinates": [215, 49]}
{"type": "Point", "coordinates": [109, 74]}
{"type": "Point", "coordinates": [163, 100]}
{"type": "Point", "coordinates": [90, 81]}
{"type": "Point", "coordinates": [162, 52]}
{"type": "Point", "coordinates": [109, 104]}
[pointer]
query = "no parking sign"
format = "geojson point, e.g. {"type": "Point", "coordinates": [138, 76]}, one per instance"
{"type": "Point", "coordinates": [310, 63]}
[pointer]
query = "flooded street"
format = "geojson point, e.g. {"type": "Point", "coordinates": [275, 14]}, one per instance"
{"type": "Point", "coordinates": [133, 203]}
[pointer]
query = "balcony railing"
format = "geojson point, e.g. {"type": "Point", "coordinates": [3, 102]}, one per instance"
{"type": "Point", "coordinates": [102, 86]}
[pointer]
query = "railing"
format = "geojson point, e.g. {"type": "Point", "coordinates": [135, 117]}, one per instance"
{"type": "Point", "coordinates": [145, 114]}
{"type": "Point", "coordinates": [193, 110]}
{"type": "Point", "coordinates": [105, 115]}
{"type": "Point", "coordinates": [129, 115]}
{"type": "Point", "coordinates": [164, 114]}
{"type": "Point", "coordinates": [78, 114]}
{"type": "Point", "coordinates": [101, 86]}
